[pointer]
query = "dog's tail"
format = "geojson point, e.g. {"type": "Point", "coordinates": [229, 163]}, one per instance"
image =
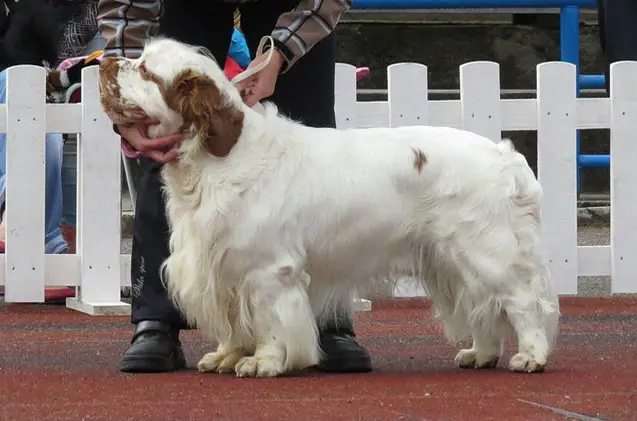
{"type": "Point", "coordinates": [526, 195]}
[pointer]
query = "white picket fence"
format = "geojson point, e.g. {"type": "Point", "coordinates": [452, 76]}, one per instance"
{"type": "Point", "coordinates": [555, 114]}
{"type": "Point", "coordinates": [99, 270]}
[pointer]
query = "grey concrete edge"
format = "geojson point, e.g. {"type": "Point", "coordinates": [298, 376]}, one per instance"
{"type": "Point", "coordinates": [586, 216]}
{"type": "Point", "coordinates": [593, 216]}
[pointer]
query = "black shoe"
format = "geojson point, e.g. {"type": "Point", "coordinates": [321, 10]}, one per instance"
{"type": "Point", "coordinates": [155, 348]}
{"type": "Point", "coordinates": [343, 354]}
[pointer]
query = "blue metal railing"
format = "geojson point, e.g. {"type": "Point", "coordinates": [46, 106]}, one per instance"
{"type": "Point", "coordinates": [569, 39]}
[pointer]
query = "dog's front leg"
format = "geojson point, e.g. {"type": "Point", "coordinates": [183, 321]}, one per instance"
{"type": "Point", "coordinates": [284, 327]}
{"type": "Point", "coordinates": [223, 360]}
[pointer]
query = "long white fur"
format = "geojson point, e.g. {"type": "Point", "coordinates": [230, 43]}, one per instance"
{"type": "Point", "coordinates": [281, 233]}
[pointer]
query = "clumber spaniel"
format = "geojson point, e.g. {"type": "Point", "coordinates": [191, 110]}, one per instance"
{"type": "Point", "coordinates": [275, 225]}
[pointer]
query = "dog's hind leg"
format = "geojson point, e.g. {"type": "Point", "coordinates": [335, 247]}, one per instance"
{"type": "Point", "coordinates": [535, 322]}
{"type": "Point", "coordinates": [532, 307]}
{"type": "Point", "coordinates": [456, 288]}
{"type": "Point", "coordinates": [283, 324]}
{"type": "Point", "coordinates": [533, 346]}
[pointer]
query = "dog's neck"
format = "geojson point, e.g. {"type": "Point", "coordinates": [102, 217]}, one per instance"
{"type": "Point", "coordinates": [227, 178]}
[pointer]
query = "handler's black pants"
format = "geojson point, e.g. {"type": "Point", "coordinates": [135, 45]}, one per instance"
{"type": "Point", "coordinates": [617, 31]}
{"type": "Point", "coordinates": [304, 93]}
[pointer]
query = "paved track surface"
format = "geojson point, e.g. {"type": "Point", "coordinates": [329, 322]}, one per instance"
{"type": "Point", "coordinates": [60, 365]}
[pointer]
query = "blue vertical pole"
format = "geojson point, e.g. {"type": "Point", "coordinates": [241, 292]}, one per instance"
{"type": "Point", "coordinates": [569, 52]}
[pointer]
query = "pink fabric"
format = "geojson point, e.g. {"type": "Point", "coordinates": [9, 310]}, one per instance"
{"type": "Point", "coordinates": [66, 64]}
{"type": "Point", "coordinates": [362, 73]}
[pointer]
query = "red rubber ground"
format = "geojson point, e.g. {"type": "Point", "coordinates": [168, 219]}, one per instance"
{"type": "Point", "coordinates": [56, 364]}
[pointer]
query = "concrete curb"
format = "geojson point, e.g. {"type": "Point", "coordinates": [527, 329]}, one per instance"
{"type": "Point", "coordinates": [586, 216]}
{"type": "Point", "coordinates": [593, 216]}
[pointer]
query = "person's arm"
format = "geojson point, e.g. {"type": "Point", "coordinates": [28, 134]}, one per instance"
{"type": "Point", "coordinates": [300, 29]}
{"type": "Point", "coordinates": [127, 24]}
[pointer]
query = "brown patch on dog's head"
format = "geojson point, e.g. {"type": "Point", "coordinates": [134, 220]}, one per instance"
{"type": "Point", "coordinates": [198, 100]}
{"type": "Point", "coordinates": [111, 98]}
{"type": "Point", "coordinates": [419, 159]}
{"type": "Point", "coordinates": [110, 95]}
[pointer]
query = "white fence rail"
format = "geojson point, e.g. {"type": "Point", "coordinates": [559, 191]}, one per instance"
{"type": "Point", "coordinates": [99, 269]}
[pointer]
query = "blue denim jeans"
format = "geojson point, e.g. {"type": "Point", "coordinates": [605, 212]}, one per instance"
{"type": "Point", "coordinates": [55, 205]}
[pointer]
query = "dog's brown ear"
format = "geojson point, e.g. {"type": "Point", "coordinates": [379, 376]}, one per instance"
{"type": "Point", "coordinates": [198, 100]}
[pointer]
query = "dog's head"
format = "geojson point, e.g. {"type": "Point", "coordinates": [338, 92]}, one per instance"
{"type": "Point", "coordinates": [184, 89]}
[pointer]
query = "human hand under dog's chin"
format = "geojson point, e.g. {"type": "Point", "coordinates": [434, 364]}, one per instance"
{"type": "Point", "coordinates": [135, 141]}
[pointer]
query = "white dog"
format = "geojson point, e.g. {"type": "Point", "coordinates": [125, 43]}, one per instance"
{"type": "Point", "coordinates": [275, 225]}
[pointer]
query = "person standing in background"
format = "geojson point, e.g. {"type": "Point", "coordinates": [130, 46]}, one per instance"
{"type": "Point", "coordinates": [44, 33]}
{"type": "Point", "coordinates": [299, 80]}
{"type": "Point", "coordinates": [617, 31]}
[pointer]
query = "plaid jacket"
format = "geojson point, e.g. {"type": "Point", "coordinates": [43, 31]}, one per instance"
{"type": "Point", "coordinates": [126, 24]}
{"type": "Point", "coordinates": [79, 30]}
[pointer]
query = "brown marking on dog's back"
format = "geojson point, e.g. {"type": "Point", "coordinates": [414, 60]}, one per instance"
{"type": "Point", "coordinates": [419, 159]}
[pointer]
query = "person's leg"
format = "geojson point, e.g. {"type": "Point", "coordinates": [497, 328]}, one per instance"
{"type": "Point", "coordinates": [54, 242]}
{"type": "Point", "coordinates": [311, 77]}
{"type": "Point", "coordinates": [155, 346]}
{"type": "Point", "coordinates": [617, 31]}
{"type": "Point", "coordinates": [69, 194]}
{"type": "Point", "coordinates": [3, 164]}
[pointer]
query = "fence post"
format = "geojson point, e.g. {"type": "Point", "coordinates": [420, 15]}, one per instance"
{"type": "Point", "coordinates": [623, 175]}
{"type": "Point", "coordinates": [480, 99]}
{"type": "Point", "coordinates": [345, 96]}
{"type": "Point", "coordinates": [99, 206]}
{"type": "Point", "coordinates": [557, 169]}
{"type": "Point", "coordinates": [407, 94]}
{"type": "Point", "coordinates": [407, 97]}
{"type": "Point", "coordinates": [25, 178]}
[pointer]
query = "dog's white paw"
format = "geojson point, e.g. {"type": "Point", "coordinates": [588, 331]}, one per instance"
{"type": "Point", "coordinates": [265, 366]}
{"type": "Point", "coordinates": [220, 362]}
{"type": "Point", "coordinates": [470, 358]}
{"type": "Point", "coordinates": [525, 363]}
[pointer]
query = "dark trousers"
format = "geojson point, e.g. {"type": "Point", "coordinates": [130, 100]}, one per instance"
{"type": "Point", "coordinates": [617, 31]}
{"type": "Point", "coordinates": [305, 93]}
